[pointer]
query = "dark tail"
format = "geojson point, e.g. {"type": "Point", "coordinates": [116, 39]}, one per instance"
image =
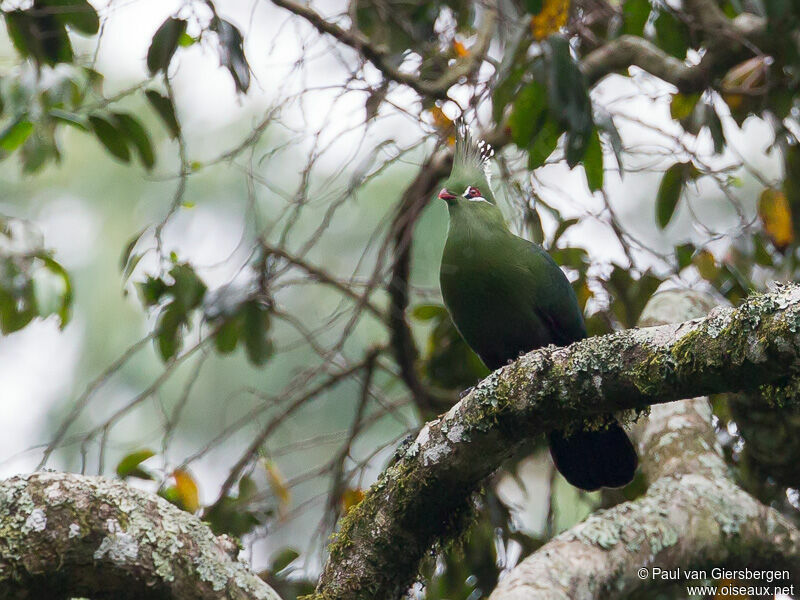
{"type": "Point", "coordinates": [594, 459]}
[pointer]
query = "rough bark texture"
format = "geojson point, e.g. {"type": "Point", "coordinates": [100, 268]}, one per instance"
{"type": "Point", "coordinates": [692, 515]}
{"type": "Point", "coordinates": [422, 498]}
{"type": "Point", "coordinates": [64, 535]}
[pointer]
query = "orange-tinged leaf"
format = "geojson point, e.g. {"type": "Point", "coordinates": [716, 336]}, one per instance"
{"type": "Point", "coordinates": [278, 484]}
{"type": "Point", "coordinates": [187, 490]}
{"type": "Point", "coordinates": [460, 49]}
{"type": "Point", "coordinates": [351, 497]}
{"type": "Point", "coordinates": [552, 18]}
{"type": "Point", "coordinates": [723, 589]}
{"type": "Point", "coordinates": [776, 215]}
{"type": "Point", "coordinates": [440, 120]}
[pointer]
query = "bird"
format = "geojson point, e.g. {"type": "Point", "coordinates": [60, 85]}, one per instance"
{"type": "Point", "coordinates": [507, 296]}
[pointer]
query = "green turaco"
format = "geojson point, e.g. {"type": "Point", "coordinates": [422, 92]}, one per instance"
{"type": "Point", "coordinates": [507, 296]}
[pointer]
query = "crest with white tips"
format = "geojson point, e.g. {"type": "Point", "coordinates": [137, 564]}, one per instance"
{"type": "Point", "coordinates": [471, 154]}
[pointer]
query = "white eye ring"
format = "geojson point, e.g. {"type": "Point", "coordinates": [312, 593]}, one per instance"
{"type": "Point", "coordinates": [474, 198]}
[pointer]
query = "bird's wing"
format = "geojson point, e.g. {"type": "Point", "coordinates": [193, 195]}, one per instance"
{"type": "Point", "coordinates": [555, 302]}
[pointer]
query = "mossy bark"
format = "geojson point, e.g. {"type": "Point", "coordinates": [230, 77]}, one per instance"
{"type": "Point", "coordinates": [423, 498]}
{"type": "Point", "coordinates": [64, 535]}
{"type": "Point", "coordinates": [693, 515]}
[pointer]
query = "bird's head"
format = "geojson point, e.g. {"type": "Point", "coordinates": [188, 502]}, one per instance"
{"type": "Point", "coordinates": [467, 190]}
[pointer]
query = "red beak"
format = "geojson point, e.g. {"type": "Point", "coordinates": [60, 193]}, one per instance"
{"type": "Point", "coordinates": [445, 195]}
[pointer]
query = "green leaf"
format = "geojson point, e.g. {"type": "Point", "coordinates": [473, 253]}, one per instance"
{"type": "Point", "coordinates": [129, 465]}
{"type": "Point", "coordinates": [254, 329]}
{"type": "Point", "coordinates": [111, 137]}
{"type": "Point", "coordinates": [527, 114]}
{"type": "Point", "coordinates": [138, 136]}
{"type": "Point", "coordinates": [227, 336]}
{"type": "Point", "coordinates": [426, 312]}
{"type": "Point", "coordinates": [282, 558]}
{"type": "Point", "coordinates": [78, 14]}
{"type": "Point", "coordinates": [15, 134]}
{"type": "Point", "coordinates": [533, 7]}
{"type": "Point", "coordinates": [568, 98]}
{"type": "Point", "coordinates": [672, 35]}
{"type": "Point", "coordinates": [65, 305]}
{"type": "Point", "coordinates": [164, 44]}
{"type": "Point", "coordinates": [41, 37]}
{"type": "Point", "coordinates": [593, 162]}
{"type": "Point", "coordinates": [163, 106]}
{"type": "Point", "coordinates": [669, 191]}
{"type": "Point", "coordinates": [168, 337]}
{"type": "Point", "coordinates": [231, 53]}
{"type": "Point", "coordinates": [635, 14]}
{"type": "Point", "coordinates": [151, 290]}
{"type": "Point", "coordinates": [188, 289]}
{"type": "Point", "coordinates": [682, 105]}
{"type": "Point", "coordinates": [544, 143]}
{"type": "Point", "coordinates": [684, 254]}
{"type": "Point", "coordinates": [185, 40]}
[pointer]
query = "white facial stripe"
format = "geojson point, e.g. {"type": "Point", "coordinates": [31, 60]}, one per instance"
{"type": "Point", "coordinates": [479, 199]}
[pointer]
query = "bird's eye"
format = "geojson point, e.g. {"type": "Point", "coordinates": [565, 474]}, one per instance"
{"type": "Point", "coordinates": [472, 192]}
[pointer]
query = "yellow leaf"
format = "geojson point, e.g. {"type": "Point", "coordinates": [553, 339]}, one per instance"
{"type": "Point", "coordinates": [351, 497]}
{"type": "Point", "coordinates": [776, 215]}
{"type": "Point", "coordinates": [749, 77]}
{"type": "Point", "coordinates": [187, 490]}
{"type": "Point", "coordinates": [724, 587]}
{"type": "Point", "coordinates": [552, 18]}
{"type": "Point", "coordinates": [278, 484]}
{"type": "Point", "coordinates": [706, 264]}
{"type": "Point", "coordinates": [460, 49]}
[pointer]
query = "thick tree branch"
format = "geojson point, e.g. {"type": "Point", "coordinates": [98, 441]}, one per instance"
{"type": "Point", "coordinates": [381, 57]}
{"type": "Point", "coordinates": [693, 515]}
{"type": "Point", "coordinates": [65, 535]}
{"type": "Point", "coordinates": [421, 498]}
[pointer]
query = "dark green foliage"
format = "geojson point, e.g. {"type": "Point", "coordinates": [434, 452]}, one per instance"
{"type": "Point", "coordinates": [231, 53]}
{"type": "Point", "coordinates": [630, 295]}
{"type": "Point", "coordinates": [130, 465]}
{"type": "Point", "coordinates": [164, 44]}
{"type": "Point", "coordinates": [233, 514]}
{"type": "Point", "coordinates": [163, 106]}
{"type": "Point", "coordinates": [669, 191]}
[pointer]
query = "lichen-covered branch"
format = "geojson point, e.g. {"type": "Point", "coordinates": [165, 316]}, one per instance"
{"type": "Point", "coordinates": [64, 535]}
{"type": "Point", "coordinates": [692, 515]}
{"type": "Point", "coordinates": [420, 500]}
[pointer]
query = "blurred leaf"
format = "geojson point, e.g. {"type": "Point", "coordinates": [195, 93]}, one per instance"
{"type": "Point", "coordinates": [684, 254]}
{"type": "Point", "coordinates": [669, 191]}
{"type": "Point", "coordinates": [533, 7]}
{"type": "Point", "coordinates": [568, 98]}
{"type": "Point", "coordinates": [15, 134]}
{"type": "Point", "coordinates": [672, 35]}
{"type": "Point", "coordinates": [682, 105]}
{"type": "Point", "coordinates": [64, 304]}
{"type": "Point", "coordinates": [227, 336]}
{"type": "Point", "coordinates": [231, 53]}
{"type": "Point", "coordinates": [776, 216]}
{"type": "Point", "coordinates": [164, 44]}
{"type": "Point", "coordinates": [444, 124]}
{"type": "Point", "coordinates": [561, 229]}
{"type": "Point", "coordinates": [593, 162]}
{"type": "Point", "coordinates": [111, 137]}
{"type": "Point", "coordinates": [527, 114]}
{"type": "Point", "coordinates": [168, 337]}
{"type": "Point", "coordinates": [39, 36]}
{"type": "Point", "coordinates": [255, 330]}
{"type": "Point", "coordinates": [129, 466]}
{"type": "Point", "coordinates": [231, 514]}
{"type": "Point", "coordinates": [78, 14]}
{"type": "Point", "coordinates": [278, 484]}
{"type": "Point", "coordinates": [185, 40]}
{"type": "Point", "coordinates": [706, 265]}
{"type": "Point", "coordinates": [635, 14]}
{"type": "Point", "coordinates": [426, 312]}
{"type": "Point", "coordinates": [163, 106]}
{"type": "Point", "coordinates": [551, 18]}
{"type": "Point", "coordinates": [125, 257]}
{"type": "Point", "coordinates": [187, 289]}
{"type": "Point", "coordinates": [187, 490]}
{"type": "Point", "coordinates": [282, 559]}
{"type": "Point", "coordinates": [151, 290]}
{"type": "Point", "coordinates": [630, 295]}
{"type": "Point", "coordinates": [350, 498]}
{"type": "Point", "coordinates": [544, 143]}
{"type": "Point", "coordinates": [138, 136]}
